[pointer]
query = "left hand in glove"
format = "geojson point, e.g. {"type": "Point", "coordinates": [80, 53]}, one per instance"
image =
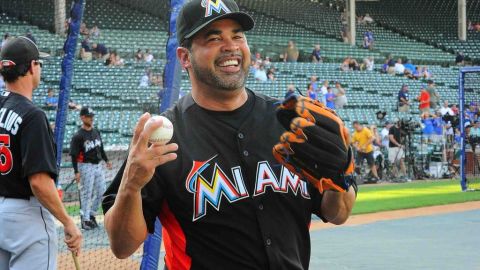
{"type": "Point", "coordinates": [316, 145]}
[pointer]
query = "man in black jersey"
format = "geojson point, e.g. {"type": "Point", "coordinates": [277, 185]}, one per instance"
{"type": "Point", "coordinates": [86, 150]}
{"type": "Point", "coordinates": [223, 199]}
{"type": "Point", "coordinates": [28, 197]}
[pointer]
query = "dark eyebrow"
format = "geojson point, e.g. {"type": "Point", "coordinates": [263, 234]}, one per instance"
{"type": "Point", "coordinates": [218, 32]}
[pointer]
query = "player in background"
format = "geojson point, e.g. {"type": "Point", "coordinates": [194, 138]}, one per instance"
{"type": "Point", "coordinates": [86, 150]}
{"type": "Point", "coordinates": [28, 197]}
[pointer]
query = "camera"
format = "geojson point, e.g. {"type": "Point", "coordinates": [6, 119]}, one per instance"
{"type": "Point", "coordinates": [408, 125]}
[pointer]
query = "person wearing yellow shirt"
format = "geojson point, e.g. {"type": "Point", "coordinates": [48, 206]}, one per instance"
{"type": "Point", "coordinates": [362, 140]}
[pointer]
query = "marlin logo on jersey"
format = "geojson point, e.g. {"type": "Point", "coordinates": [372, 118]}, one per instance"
{"type": "Point", "coordinates": [214, 5]}
{"type": "Point", "coordinates": [219, 186]}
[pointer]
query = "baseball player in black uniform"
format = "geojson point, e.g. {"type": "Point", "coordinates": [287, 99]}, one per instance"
{"type": "Point", "coordinates": [86, 150]}
{"type": "Point", "coordinates": [228, 194]}
{"type": "Point", "coordinates": [28, 197]}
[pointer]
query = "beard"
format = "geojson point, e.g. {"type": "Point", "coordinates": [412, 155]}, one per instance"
{"type": "Point", "coordinates": [224, 82]}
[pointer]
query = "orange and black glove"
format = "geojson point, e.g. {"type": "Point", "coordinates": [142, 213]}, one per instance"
{"type": "Point", "coordinates": [316, 145]}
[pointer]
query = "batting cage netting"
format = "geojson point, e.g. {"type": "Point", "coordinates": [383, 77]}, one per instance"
{"type": "Point", "coordinates": [469, 89]}
{"type": "Point", "coordinates": [108, 55]}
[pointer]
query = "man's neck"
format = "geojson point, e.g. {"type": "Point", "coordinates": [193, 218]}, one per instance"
{"type": "Point", "coordinates": [20, 87]}
{"type": "Point", "coordinates": [219, 100]}
{"type": "Point", "coordinates": [87, 128]}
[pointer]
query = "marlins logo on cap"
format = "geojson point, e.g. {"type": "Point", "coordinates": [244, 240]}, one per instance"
{"type": "Point", "coordinates": [214, 5]}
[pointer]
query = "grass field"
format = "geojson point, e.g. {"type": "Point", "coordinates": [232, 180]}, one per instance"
{"type": "Point", "coordinates": [377, 198]}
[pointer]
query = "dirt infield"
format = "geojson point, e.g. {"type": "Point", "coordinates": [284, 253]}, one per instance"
{"type": "Point", "coordinates": [98, 259]}
{"type": "Point", "coordinates": [400, 214]}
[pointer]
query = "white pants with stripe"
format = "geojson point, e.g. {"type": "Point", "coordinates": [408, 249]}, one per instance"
{"type": "Point", "coordinates": [92, 186]}
{"type": "Point", "coordinates": [28, 237]}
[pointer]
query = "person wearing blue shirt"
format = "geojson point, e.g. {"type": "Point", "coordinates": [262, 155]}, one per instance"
{"type": "Point", "coordinates": [330, 98]}
{"type": "Point", "coordinates": [51, 101]}
{"type": "Point", "coordinates": [428, 129]}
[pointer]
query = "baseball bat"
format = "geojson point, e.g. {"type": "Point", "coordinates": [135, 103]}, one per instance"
{"type": "Point", "coordinates": [75, 261]}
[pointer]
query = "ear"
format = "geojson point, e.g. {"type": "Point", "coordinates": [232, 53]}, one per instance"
{"type": "Point", "coordinates": [32, 64]}
{"type": "Point", "coordinates": [183, 55]}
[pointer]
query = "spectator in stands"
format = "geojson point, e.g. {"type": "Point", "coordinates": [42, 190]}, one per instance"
{"type": "Point", "coordinates": [426, 73]}
{"type": "Point", "coordinates": [340, 96]}
{"type": "Point", "coordinates": [353, 65]}
{"type": "Point", "coordinates": [148, 57]}
{"type": "Point", "coordinates": [424, 99]}
{"type": "Point", "coordinates": [73, 106]}
{"type": "Point", "coordinates": [156, 79]}
{"type": "Point", "coordinates": [314, 83]}
{"type": "Point", "coordinates": [290, 90]}
{"type": "Point", "coordinates": [409, 67]}
{"type": "Point", "coordinates": [434, 96]}
{"type": "Point", "coordinates": [6, 37]}
{"type": "Point", "coordinates": [384, 67]}
{"type": "Point", "coordinates": [470, 26]}
{"type": "Point", "coordinates": [145, 79]}
{"type": "Point", "coordinates": [311, 93]}
{"type": "Point", "coordinates": [368, 64]}
{"type": "Point", "coordinates": [291, 53]}
{"type": "Point", "coordinates": [362, 140]}
{"type": "Point", "coordinates": [322, 95]}
{"type": "Point", "coordinates": [367, 19]}
{"type": "Point", "coordinates": [51, 101]}
{"type": "Point", "coordinates": [86, 50]}
{"type": "Point", "coordinates": [416, 73]}
{"type": "Point", "coordinates": [30, 36]}
{"type": "Point", "coordinates": [316, 54]}
{"type": "Point", "coordinates": [139, 55]}
{"type": "Point", "coordinates": [455, 109]}
{"type": "Point", "coordinates": [403, 99]}
{"type": "Point", "coordinates": [330, 98]}
{"type": "Point", "coordinates": [84, 30]}
{"type": "Point", "coordinates": [258, 58]}
{"type": "Point", "coordinates": [100, 51]}
{"type": "Point", "coordinates": [399, 67]}
{"type": "Point", "coordinates": [446, 110]}
{"type": "Point", "coordinates": [368, 40]}
{"type": "Point", "coordinates": [271, 74]}
{"type": "Point", "coordinates": [345, 66]}
{"type": "Point", "coordinates": [475, 130]}
{"type": "Point", "coordinates": [267, 62]}
{"type": "Point", "coordinates": [261, 74]}
{"type": "Point", "coordinates": [94, 32]}
{"type": "Point", "coordinates": [460, 59]}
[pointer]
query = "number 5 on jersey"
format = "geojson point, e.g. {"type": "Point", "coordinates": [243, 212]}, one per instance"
{"type": "Point", "coordinates": [6, 162]}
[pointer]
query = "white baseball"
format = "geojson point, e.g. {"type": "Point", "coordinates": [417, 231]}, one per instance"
{"type": "Point", "coordinates": [163, 134]}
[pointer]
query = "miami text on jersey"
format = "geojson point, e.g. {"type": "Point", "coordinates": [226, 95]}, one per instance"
{"type": "Point", "coordinates": [89, 145]}
{"type": "Point", "coordinates": [211, 191]}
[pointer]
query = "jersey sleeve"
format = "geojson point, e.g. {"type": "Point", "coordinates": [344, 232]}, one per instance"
{"type": "Point", "coordinates": [75, 148]}
{"type": "Point", "coordinates": [152, 197]}
{"type": "Point", "coordinates": [37, 146]}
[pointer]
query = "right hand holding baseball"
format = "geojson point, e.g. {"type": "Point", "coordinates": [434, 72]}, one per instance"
{"type": "Point", "coordinates": [73, 237]}
{"type": "Point", "coordinates": [144, 158]}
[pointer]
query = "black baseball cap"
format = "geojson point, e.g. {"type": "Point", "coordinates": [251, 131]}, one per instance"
{"type": "Point", "coordinates": [18, 51]}
{"type": "Point", "coordinates": [86, 111]}
{"type": "Point", "coordinates": [197, 14]}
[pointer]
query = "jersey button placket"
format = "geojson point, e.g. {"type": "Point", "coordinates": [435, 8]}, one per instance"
{"type": "Point", "coordinates": [260, 207]}
{"type": "Point", "coordinates": [245, 153]}
{"type": "Point", "coordinates": [268, 242]}
{"type": "Point", "coordinates": [240, 136]}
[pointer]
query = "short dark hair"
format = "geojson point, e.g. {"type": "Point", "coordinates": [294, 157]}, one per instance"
{"type": "Point", "coordinates": [187, 44]}
{"type": "Point", "coordinates": [12, 74]}
{"type": "Point", "coordinates": [355, 123]}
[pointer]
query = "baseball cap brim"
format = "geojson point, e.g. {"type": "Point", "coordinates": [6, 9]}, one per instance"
{"type": "Point", "coordinates": [242, 18]}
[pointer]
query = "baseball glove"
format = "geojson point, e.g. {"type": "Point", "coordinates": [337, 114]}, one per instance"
{"type": "Point", "coordinates": [316, 145]}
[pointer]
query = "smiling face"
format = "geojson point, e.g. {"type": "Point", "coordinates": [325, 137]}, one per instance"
{"type": "Point", "coordinates": [219, 57]}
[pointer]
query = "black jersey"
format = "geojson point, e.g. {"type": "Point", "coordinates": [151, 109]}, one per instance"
{"type": "Point", "coordinates": [225, 203]}
{"type": "Point", "coordinates": [87, 147]}
{"type": "Point", "coordinates": [26, 145]}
